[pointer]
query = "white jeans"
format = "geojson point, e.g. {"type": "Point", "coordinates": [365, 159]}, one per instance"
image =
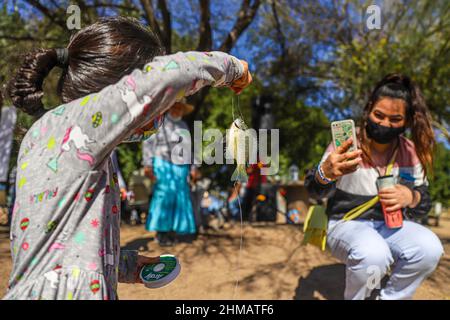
{"type": "Point", "coordinates": [369, 248]}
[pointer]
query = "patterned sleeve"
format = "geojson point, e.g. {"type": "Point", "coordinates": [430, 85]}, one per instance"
{"type": "Point", "coordinates": [315, 188]}
{"type": "Point", "coordinates": [94, 125]}
{"type": "Point", "coordinates": [421, 185]}
{"type": "Point", "coordinates": [423, 207]}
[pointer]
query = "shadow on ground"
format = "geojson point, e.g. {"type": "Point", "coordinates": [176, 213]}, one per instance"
{"type": "Point", "coordinates": [141, 244]}
{"type": "Point", "coordinates": [328, 281]}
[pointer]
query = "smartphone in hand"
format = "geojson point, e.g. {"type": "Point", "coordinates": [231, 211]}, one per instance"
{"type": "Point", "coordinates": [342, 131]}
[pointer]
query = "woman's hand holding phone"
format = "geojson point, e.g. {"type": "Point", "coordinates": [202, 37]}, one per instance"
{"type": "Point", "coordinates": [341, 162]}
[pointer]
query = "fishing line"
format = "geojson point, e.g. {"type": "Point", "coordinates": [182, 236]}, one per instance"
{"type": "Point", "coordinates": [232, 108]}
{"type": "Point", "coordinates": [240, 243]}
{"type": "Point", "coordinates": [239, 108]}
{"type": "Point", "coordinates": [240, 212]}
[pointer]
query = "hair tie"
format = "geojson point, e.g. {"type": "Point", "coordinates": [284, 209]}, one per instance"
{"type": "Point", "coordinates": [62, 57]}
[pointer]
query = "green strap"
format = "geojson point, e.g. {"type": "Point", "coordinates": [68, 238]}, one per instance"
{"type": "Point", "coordinates": [356, 212]}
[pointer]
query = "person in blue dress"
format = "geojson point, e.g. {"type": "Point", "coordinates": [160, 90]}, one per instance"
{"type": "Point", "coordinates": [167, 162]}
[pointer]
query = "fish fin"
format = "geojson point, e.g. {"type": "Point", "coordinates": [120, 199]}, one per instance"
{"type": "Point", "coordinates": [240, 174]}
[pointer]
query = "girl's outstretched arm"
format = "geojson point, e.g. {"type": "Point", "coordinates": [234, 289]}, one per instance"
{"type": "Point", "coordinates": [94, 125]}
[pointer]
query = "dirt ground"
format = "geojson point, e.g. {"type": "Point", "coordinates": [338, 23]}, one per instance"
{"type": "Point", "coordinates": [272, 265]}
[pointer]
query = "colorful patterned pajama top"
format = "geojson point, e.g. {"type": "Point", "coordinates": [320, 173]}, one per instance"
{"type": "Point", "coordinates": [65, 231]}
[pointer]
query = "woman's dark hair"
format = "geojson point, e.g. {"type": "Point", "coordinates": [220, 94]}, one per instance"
{"type": "Point", "coordinates": [98, 55]}
{"type": "Point", "coordinates": [418, 118]}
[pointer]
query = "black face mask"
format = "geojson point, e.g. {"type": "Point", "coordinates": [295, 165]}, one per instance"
{"type": "Point", "coordinates": [382, 134]}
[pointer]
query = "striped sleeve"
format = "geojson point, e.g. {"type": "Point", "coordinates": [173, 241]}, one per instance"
{"type": "Point", "coordinates": [315, 188]}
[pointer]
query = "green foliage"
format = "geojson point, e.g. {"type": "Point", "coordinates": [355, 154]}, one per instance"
{"type": "Point", "coordinates": [415, 44]}
{"type": "Point", "coordinates": [323, 52]}
{"type": "Point", "coordinates": [319, 60]}
{"type": "Point", "coordinates": [129, 156]}
{"type": "Point", "coordinates": [440, 179]}
{"type": "Point", "coordinates": [304, 133]}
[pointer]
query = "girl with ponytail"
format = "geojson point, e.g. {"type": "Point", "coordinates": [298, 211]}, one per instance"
{"type": "Point", "coordinates": [115, 84]}
{"type": "Point", "coordinates": [366, 244]}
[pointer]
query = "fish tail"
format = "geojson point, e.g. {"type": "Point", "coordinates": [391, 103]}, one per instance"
{"type": "Point", "coordinates": [240, 174]}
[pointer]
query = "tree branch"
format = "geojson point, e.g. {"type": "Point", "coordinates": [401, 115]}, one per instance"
{"type": "Point", "coordinates": [46, 11]}
{"type": "Point", "coordinates": [280, 35]}
{"type": "Point", "coordinates": [442, 128]}
{"type": "Point", "coordinates": [205, 40]}
{"type": "Point", "coordinates": [114, 6]}
{"type": "Point", "coordinates": [167, 25]}
{"type": "Point", "coordinates": [91, 15]}
{"type": "Point", "coordinates": [151, 19]}
{"type": "Point", "coordinates": [26, 38]}
{"type": "Point", "coordinates": [246, 15]}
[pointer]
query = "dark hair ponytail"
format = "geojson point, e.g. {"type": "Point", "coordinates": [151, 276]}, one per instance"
{"type": "Point", "coordinates": [25, 89]}
{"type": "Point", "coordinates": [97, 56]}
{"type": "Point", "coordinates": [418, 117]}
{"type": "Point", "coordinates": [421, 127]}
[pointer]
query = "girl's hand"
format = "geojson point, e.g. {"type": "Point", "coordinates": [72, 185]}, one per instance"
{"type": "Point", "coordinates": [195, 174]}
{"type": "Point", "coordinates": [123, 194]}
{"type": "Point", "coordinates": [341, 162]}
{"type": "Point", "coordinates": [141, 262]}
{"type": "Point", "coordinates": [397, 197]}
{"type": "Point", "coordinates": [240, 84]}
{"type": "Point", "coordinates": [148, 171]}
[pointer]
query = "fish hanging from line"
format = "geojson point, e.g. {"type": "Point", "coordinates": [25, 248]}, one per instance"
{"type": "Point", "coordinates": [236, 149]}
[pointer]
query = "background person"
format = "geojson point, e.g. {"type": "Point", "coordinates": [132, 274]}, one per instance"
{"type": "Point", "coordinates": [8, 118]}
{"type": "Point", "coordinates": [396, 104]}
{"type": "Point", "coordinates": [170, 213]}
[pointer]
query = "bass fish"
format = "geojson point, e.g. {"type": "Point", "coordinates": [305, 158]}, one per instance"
{"type": "Point", "coordinates": [237, 150]}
